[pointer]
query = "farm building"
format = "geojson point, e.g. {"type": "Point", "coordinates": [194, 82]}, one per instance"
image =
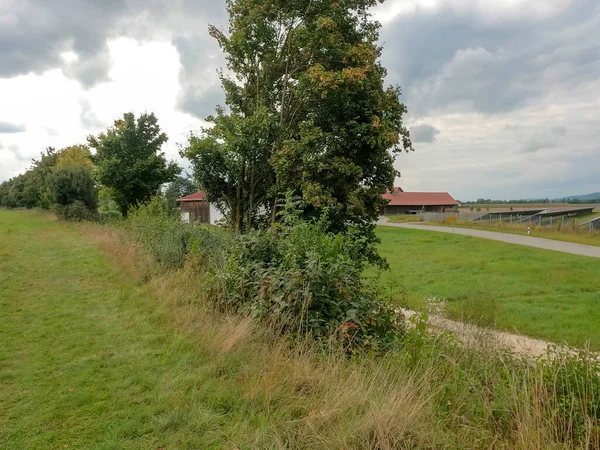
{"type": "Point", "coordinates": [195, 208]}
{"type": "Point", "coordinates": [401, 202]}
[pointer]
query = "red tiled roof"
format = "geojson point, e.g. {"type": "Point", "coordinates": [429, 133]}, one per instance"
{"type": "Point", "coordinates": [419, 199]}
{"type": "Point", "coordinates": [196, 197]}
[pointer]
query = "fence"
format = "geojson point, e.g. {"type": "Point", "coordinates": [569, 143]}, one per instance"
{"type": "Point", "coordinates": [508, 218]}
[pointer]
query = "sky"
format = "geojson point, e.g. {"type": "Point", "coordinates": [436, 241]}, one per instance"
{"type": "Point", "coordinates": [503, 96]}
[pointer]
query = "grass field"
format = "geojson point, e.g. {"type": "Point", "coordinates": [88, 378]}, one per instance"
{"type": "Point", "coordinates": [540, 293]}
{"type": "Point", "coordinates": [100, 350]}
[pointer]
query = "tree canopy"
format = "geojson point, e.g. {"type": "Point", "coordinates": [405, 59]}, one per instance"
{"type": "Point", "coordinates": [307, 112]}
{"type": "Point", "coordinates": [129, 160]}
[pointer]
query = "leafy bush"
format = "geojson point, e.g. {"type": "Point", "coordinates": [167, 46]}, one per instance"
{"type": "Point", "coordinates": [298, 278]}
{"type": "Point", "coordinates": [70, 184]}
{"type": "Point", "coordinates": [76, 212]}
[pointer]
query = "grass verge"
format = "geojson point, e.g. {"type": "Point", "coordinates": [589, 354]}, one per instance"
{"type": "Point", "coordinates": [544, 294]}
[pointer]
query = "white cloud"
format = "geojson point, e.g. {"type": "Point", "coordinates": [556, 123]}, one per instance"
{"type": "Point", "coordinates": [144, 77]}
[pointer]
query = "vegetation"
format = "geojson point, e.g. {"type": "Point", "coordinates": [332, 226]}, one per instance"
{"type": "Point", "coordinates": [298, 277]}
{"type": "Point", "coordinates": [179, 187]}
{"type": "Point", "coordinates": [60, 179]}
{"type": "Point", "coordinates": [144, 361]}
{"type": "Point", "coordinates": [308, 113]}
{"type": "Point", "coordinates": [536, 292]}
{"type": "Point", "coordinates": [129, 160]}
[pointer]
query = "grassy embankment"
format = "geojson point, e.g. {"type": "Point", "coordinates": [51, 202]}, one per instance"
{"type": "Point", "coordinates": [545, 294]}
{"type": "Point", "coordinates": [99, 350]}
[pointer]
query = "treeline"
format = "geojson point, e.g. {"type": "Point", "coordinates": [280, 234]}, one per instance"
{"type": "Point", "coordinates": [574, 201]}
{"type": "Point", "coordinates": [126, 169]}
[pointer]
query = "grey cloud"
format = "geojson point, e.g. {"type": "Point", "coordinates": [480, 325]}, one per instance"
{"type": "Point", "coordinates": [559, 130]}
{"type": "Point", "coordinates": [448, 59]}
{"type": "Point", "coordinates": [91, 70]}
{"type": "Point", "coordinates": [14, 149]}
{"type": "Point", "coordinates": [33, 33]}
{"type": "Point", "coordinates": [200, 85]}
{"type": "Point", "coordinates": [89, 120]}
{"type": "Point", "coordinates": [536, 143]}
{"type": "Point", "coordinates": [532, 139]}
{"type": "Point", "coordinates": [423, 133]}
{"type": "Point", "coordinates": [8, 127]}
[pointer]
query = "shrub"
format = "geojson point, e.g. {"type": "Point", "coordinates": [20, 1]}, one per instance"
{"type": "Point", "coordinates": [76, 212]}
{"type": "Point", "coordinates": [298, 278]}
{"type": "Point", "coordinates": [73, 184]}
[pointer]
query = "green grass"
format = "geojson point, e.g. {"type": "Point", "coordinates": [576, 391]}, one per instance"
{"type": "Point", "coordinates": [85, 360]}
{"type": "Point", "coordinates": [89, 359]}
{"type": "Point", "coordinates": [99, 350]}
{"type": "Point", "coordinates": [540, 293]}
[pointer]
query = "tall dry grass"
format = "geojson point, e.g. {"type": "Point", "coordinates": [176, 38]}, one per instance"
{"type": "Point", "coordinates": [432, 394]}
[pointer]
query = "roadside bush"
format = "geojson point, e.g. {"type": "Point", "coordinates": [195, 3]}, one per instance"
{"type": "Point", "coordinates": [469, 394]}
{"type": "Point", "coordinates": [298, 278]}
{"type": "Point", "coordinates": [76, 212]}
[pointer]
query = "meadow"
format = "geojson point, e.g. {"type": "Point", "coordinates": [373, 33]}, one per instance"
{"type": "Point", "coordinates": [540, 293]}
{"type": "Point", "coordinates": [101, 349]}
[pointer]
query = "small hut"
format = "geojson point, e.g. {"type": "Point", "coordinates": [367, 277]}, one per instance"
{"type": "Point", "coordinates": [194, 208]}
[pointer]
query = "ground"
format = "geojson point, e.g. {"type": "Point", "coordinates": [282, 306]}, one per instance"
{"type": "Point", "coordinates": [540, 293]}
{"type": "Point", "coordinates": [87, 358]}
{"type": "Point", "coordinates": [97, 352]}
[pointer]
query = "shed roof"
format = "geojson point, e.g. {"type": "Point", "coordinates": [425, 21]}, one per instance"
{"type": "Point", "coordinates": [195, 197]}
{"type": "Point", "coordinates": [419, 199]}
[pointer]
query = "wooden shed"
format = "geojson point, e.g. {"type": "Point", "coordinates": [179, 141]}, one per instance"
{"type": "Point", "coordinates": [194, 208]}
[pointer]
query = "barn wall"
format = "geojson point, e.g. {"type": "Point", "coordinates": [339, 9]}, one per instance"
{"type": "Point", "coordinates": [199, 211]}
{"type": "Point", "coordinates": [393, 210]}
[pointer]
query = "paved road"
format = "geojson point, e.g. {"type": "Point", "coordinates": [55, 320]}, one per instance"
{"type": "Point", "coordinates": [547, 244]}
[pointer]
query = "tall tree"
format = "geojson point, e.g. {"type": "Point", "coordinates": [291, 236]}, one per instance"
{"type": "Point", "coordinates": [179, 187]}
{"type": "Point", "coordinates": [129, 159]}
{"type": "Point", "coordinates": [75, 156]}
{"type": "Point", "coordinates": [308, 112]}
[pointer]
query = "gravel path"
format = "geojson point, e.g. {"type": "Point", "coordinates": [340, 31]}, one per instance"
{"type": "Point", "coordinates": [547, 244]}
{"type": "Point", "coordinates": [474, 336]}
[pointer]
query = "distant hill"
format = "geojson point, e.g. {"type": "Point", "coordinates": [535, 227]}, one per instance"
{"type": "Point", "coordinates": [583, 198]}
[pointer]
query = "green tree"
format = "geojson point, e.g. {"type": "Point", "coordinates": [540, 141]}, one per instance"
{"type": "Point", "coordinates": [308, 113]}
{"type": "Point", "coordinates": [179, 187]}
{"type": "Point", "coordinates": [75, 156]}
{"type": "Point", "coordinates": [129, 159]}
{"type": "Point", "coordinates": [73, 183]}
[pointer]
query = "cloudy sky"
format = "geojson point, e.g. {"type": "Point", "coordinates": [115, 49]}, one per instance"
{"type": "Point", "coordinates": [503, 95]}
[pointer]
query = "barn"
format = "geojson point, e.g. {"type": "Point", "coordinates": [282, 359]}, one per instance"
{"type": "Point", "coordinates": [400, 202]}
{"type": "Point", "coordinates": [195, 208]}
